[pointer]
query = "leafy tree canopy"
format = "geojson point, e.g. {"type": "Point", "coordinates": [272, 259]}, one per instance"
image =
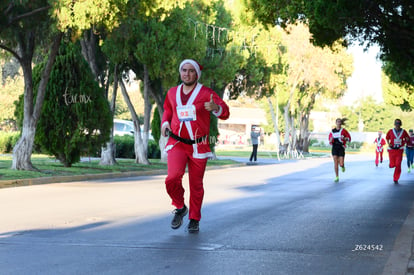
{"type": "Point", "coordinates": [389, 24]}
{"type": "Point", "coordinates": [397, 95]}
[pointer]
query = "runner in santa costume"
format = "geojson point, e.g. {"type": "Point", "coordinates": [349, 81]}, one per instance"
{"type": "Point", "coordinates": [338, 138]}
{"type": "Point", "coordinates": [380, 142]}
{"type": "Point", "coordinates": [396, 139]}
{"type": "Point", "coordinates": [186, 120]}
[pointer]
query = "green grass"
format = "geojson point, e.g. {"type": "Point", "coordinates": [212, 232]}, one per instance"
{"type": "Point", "coordinates": [264, 153]}
{"type": "Point", "coordinates": [49, 167]}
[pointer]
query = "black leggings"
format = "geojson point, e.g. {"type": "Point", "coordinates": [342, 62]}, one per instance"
{"type": "Point", "coordinates": [254, 153]}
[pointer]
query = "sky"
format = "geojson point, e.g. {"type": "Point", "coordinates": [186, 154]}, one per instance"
{"type": "Point", "coordinates": [366, 79]}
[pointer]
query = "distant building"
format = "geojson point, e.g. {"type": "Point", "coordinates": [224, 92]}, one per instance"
{"type": "Point", "coordinates": [236, 129]}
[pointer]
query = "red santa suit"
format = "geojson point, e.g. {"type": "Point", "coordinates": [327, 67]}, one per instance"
{"type": "Point", "coordinates": [396, 142]}
{"type": "Point", "coordinates": [380, 142]}
{"type": "Point", "coordinates": [338, 139]}
{"type": "Point", "coordinates": [189, 120]}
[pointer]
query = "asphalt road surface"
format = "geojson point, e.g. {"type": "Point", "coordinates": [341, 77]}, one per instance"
{"type": "Point", "coordinates": [280, 218]}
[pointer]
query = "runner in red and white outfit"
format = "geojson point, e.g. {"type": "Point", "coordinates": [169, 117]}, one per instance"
{"type": "Point", "coordinates": [338, 138]}
{"type": "Point", "coordinates": [396, 139]}
{"type": "Point", "coordinates": [379, 148]}
{"type": "Point", "coordinates": [186, 120]}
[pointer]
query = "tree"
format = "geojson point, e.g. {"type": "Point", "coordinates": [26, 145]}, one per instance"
{"type": "Point", "coordinates": [397, 95]}
{"type": "Point", "coordinates": [389, 24]}
{"type": "Point", "coordinates": [306, 73]}
{"type": "Point", "coordinates": [374, 116]}
{"type": "Point", "coordinates": [27, 26]}
{"type": "Point", "coordinates": [141, 155]}
{"type": "Point", "coordinates": [11, 88]}
{"type": "Point", "coordinates": [172, 32]}
{"type": "Point", "coordinates": [24, 26]}
{"type": "Point", "coordinates": [119, 47]}
{"type": "Point", "coordinates": [78, 118]}
{"type": "Point", "coordinates": [167, 31]}
{"type": "Point", "coordinates": [92, 21]}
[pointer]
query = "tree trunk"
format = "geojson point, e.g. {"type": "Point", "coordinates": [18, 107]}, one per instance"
{"type": "Point", "coordinates": [292, 146]}
{"type": "Point", "coordinates": [287, 124]}
{"type": "Point", "coordinates": [159, 101]}
{"type": "Point", "coordinates": [140, 151]}
{"type": "Point", "coordinates": [88, 45]}
{"type": "Point", "coordinates": [108, 152]}
{"type": "Point", "coordinates": [147, 108]}
{"type": "Point", "coordinates": [89, 49]}
{"type": "Point", "coordinates": [275, 124]}
{"type": "Point", "coordinates": [304, 133]}
{"type": "Point", "coordinates": [23, 149]}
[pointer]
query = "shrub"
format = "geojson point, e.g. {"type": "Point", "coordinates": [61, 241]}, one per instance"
{"type": "Point", "coordinates": [124, 147]}
{"type": "Point", "coordinates": [75, 113]}
{"type": "Point", "coordinates": [313, 142]}
{"type": "Point", "coordinates": [355, 145]}
{"type": "Point", "coordinates": [155, 126]}
{"type": "Point", "coordinates": [7, 141]}
{"type": "Point", "coordinates": [153, 150]}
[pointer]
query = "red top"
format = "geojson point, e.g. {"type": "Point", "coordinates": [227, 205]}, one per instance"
{"type": "Point", "coordinates": [380, 143]}
{"type": "Point", "coordinates": [397, 140]}
{"type": "Point", "coordinates": [197, 127]}
{"type": "Point", "coordinates": [341, 136]}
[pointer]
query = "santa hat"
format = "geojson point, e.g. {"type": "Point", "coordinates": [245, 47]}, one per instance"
{"type": "Point", "coordinates": [195, 64]}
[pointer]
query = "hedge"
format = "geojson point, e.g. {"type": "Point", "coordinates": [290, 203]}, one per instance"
{"type": "Point", "coordinates": [7, 141]}
{"type": "Point", "coordinates": [124, 146]}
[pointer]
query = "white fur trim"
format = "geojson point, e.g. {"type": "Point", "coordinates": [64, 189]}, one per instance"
{"type": "Point", "coordinates": [195, 65]}
{"type": "Point", "coordinates": [219, 112]}
{"type": "Point", "coordinates": [165, 124]}
{"type": "Point", "coordinates": [168, 148]}
{"type": "Point", "coordinates": [198, 155]}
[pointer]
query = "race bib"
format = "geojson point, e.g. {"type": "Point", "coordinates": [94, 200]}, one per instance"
{"type": "Point", "coordinates": [336, 135]}
{"type": "Point", "coordinates": [397, 142]}
{"type": "Point", "coordinates": [186, 113]}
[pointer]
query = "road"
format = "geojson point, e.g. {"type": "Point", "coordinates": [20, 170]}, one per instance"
{"type": "Point", "coordinates": [280, 218]}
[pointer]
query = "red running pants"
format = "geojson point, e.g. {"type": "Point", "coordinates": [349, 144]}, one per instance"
{"type": "Point", "coordinates": [378, 157]}
{"type": "Point", "coordinates": [396, 156]}
{"type": "Point", "coordinates": [178, 158]}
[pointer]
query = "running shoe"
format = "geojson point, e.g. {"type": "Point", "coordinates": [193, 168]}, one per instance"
{"type": "Point", "coordinates": [396, 182]}
{"type": "Point", "coordinates": [179, 214]}
{"type": "Point", "coordinates": [336, 179]}
{"type": "Point", "coordinates": [343, 168]}
{"type": "Point", "coordinates": [193, 226]}
{"type": "Point", "coordinates": [409, 169]}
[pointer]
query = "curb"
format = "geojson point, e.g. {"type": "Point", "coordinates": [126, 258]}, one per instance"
{"type": "Point", "coordinates": [86, 177]}
{"type": "Point", "coordinates": [401, 260]}
{"type": "Point", "coordinates": [61, 179]}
